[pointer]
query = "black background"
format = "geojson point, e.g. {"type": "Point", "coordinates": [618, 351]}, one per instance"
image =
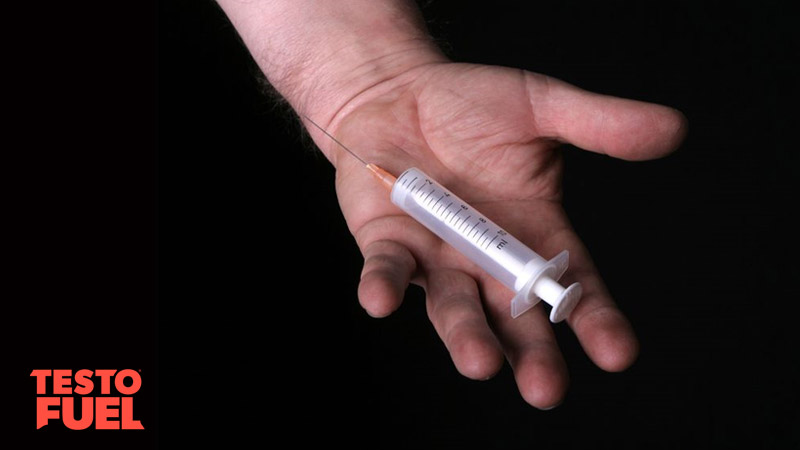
{"type": "Point", "coordinates": [697, 248]}
{"type": "Point", "coordinates": [80, 210]}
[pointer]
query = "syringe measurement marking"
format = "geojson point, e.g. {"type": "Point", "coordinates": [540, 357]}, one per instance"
{"type": "Point", "coordinates": [452, 219]}
{"type": "Point", "coordinates": [447, 211]}
{"type": "Point", "coordinates": [437, 202]}
{"type": "Point", "coordinates": [460, 225]}
{"type": "Point", "coordinates": [484, 232]}
{"type": "Point", "coordinates": [465, 223]}
{"type": "Point", "coordinates": [447, 214]}
{"type": "Point", "coordinates": [428, 203]}
{"type": "Point", "coordinates": [476, 231]}
{"type": "Point", "coordinates": [473, 227]}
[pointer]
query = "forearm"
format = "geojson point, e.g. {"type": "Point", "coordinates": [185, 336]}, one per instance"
{"type": "Point", "coordinates": [321, 54]}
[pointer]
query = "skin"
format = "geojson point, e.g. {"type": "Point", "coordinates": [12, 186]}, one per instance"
{"type": "Point", "coordinates": [491, 135]}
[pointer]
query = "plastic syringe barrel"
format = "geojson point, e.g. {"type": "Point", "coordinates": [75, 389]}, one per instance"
{"type": "Point", "coordinates": [482, 241]}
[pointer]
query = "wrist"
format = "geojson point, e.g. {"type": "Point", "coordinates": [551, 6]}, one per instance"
{"type": "Point", "coordinates": [327, 89]}
{"type": "Point", "coordinates": [325, 57]}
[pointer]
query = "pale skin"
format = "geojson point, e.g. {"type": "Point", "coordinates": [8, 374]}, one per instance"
{"type": "Point", "coordinates": [366, 71]}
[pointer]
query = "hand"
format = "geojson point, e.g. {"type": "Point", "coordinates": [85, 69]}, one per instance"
{"type": "Point", "coordinates": [368, 72]}
{"type": "Point", "coordinates": [491, 135]}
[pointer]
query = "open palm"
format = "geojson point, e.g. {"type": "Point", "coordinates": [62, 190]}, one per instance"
{"type": "Point", "coordinates": [490, 134]}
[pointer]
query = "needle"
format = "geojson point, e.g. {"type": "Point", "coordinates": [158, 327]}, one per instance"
{"type": "Point", "coordinates": [335, 140]}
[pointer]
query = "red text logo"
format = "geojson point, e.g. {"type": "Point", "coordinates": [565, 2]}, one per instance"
{"type": "Point", "coordinates": [94, 391]}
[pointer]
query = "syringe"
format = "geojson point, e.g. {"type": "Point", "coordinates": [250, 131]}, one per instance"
{"type": "Point", "coordinates": [482, 241]}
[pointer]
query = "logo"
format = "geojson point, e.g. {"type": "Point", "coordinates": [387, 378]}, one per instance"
{"type": "Point", "coordinates": [92, 390]}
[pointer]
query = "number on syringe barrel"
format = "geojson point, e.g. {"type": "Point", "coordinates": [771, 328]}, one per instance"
{"type": "Point", "coordinates": [449, 213]}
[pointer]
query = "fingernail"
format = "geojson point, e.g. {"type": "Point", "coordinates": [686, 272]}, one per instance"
{"type": "Point", "coordinates": [551, 407]}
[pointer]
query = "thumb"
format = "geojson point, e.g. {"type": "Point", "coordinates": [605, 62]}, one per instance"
{"type": "Point", "coordinates": [622, 128]}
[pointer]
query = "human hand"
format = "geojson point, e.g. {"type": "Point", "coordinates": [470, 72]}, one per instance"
{"type": "Point", "coordinates": [491, 135]}
{"type": "Point", "coordinates": [368, 72]}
